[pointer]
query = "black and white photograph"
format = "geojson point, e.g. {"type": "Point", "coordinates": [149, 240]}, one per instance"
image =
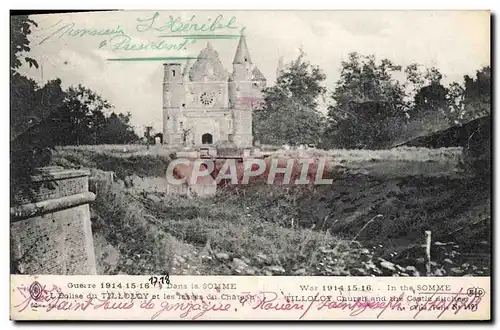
{"type": "Point", "coordinates": [251, 143]}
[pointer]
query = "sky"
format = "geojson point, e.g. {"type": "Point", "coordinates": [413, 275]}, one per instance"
{"type": "Point", "coordinates": [69, 47]}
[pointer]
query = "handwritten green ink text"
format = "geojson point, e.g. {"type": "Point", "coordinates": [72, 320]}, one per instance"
{"type": "Point", "coordinates": [176, 25]}
{"type": "Point", "coordinates": [69, 30]}
{"type": "Point", "coordinates": [125, 43]}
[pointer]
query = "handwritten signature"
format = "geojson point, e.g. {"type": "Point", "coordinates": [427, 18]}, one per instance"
{"type": "Point", "coordinates": [176, 25]}
{"type": "Point", "coordinates": [195, 308]}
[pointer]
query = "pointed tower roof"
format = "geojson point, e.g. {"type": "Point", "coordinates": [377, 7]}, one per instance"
{"type": "Point", "coordinates": [281, 67]}
{"type": "Point", "coordinates": [281, 64]}
{"type": "Point", "coordinates": [257, 75]}
{"type": "Point", "coordinates": [242, 54]}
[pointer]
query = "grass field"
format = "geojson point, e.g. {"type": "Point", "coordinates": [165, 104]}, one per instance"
{"type": "Point", "coordinates": [398, 154]}
{"type": "Point", "coordinates": [370, 221]}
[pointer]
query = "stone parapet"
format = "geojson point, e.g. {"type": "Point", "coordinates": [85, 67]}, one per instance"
{"type": "Point", "coordinates": [50, 224]}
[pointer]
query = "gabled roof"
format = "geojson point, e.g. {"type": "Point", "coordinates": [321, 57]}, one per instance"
{"type": "Point", "coordinates": [257, 75]}
{"type": "Point", "coordinates": [208, 60]}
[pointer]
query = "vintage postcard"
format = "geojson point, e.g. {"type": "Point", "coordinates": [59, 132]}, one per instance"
{"type": "Point", "coordinates": [250, 165]}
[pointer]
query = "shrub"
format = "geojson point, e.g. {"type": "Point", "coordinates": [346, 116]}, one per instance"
{"type": "Point", "coordinates": [122, 222]}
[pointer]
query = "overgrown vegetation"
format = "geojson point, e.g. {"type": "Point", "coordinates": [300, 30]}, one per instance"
{"type": "Point", "coordinates": [302, 230]}
{"type": "Point", "coordinates": [370, 106]}
{"type": "Point", "coordinates": [124, 225]}
{"type": "Point", "coordinates": [43, 116]}
{"type": "Point", "coordinates": [361, 225]}
{"type": "Point", "coordinates": [122, 164]}
{"type": "Point", "coordinates": [290, 111]}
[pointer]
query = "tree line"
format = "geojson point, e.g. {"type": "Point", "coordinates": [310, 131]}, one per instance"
{"type": "Point", "coordinates": [368, 106]}
{"type": "Point", "coordinates": [43, 117]}
{"type": "Point", "coordinates": [73, 116]}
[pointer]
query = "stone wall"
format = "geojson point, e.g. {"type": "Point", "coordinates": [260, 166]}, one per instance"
{"type": "Point", "coordinates": [50, 225]}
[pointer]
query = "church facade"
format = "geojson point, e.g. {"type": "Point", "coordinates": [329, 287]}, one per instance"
{"type": "Point", "coordinates": [204, 104]}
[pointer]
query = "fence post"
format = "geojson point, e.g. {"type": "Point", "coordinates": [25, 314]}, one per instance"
{"type": "Point", "coordinates": [428, 251]}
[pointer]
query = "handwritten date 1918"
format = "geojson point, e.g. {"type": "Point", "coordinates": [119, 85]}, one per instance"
{"type": "Point", "coordinates": [164, 280]}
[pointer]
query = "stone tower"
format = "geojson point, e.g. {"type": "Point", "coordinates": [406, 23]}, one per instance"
{"type": "Point", "coordinates": [204, 104]}
{"type": "Point", "coordinates": [173, 92]}
{"type": "Point", "coordinates": [242, 95]}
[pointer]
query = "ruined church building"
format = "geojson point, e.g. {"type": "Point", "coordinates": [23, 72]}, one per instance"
{"type": "Point", "coordinates": [204, 104]}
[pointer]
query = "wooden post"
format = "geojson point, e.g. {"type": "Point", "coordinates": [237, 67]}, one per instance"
{"type": "Point", "coordinates": [428, 251]}
{"type": "Point", "coordinates": [148, 135]}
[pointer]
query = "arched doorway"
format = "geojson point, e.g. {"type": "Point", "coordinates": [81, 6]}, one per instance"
{"type": "Point", "coordinates": [158, 138]}
{"type": "Point", "coordinates": [207, 138]}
